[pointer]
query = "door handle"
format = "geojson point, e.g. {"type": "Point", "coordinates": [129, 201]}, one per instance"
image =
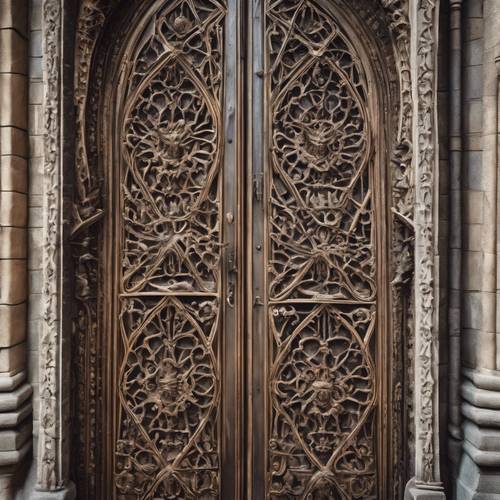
{"type": "Point", "coordinates": [232, 272]}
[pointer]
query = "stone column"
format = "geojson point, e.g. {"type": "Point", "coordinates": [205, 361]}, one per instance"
{"type": "Point", "coordinates": [455, 235]}
{"type": "Point", "coordinates": [15, 392]}
{"type": "Point", "coordinates": [479, 472]}
{"type": "Point", "coordinates": [426, 483]}
{"type": "Point", "coordinates": [53, 454]}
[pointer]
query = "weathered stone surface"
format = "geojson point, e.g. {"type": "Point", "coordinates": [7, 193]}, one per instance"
{"type": "Point", "coordinates": [14, 142]}
{"type": "Point", "coordinates": [13, 209]}
{"type": "Point", "coordinates": [15, 456]}
{"type": "Point", "coordinates": [13, 100]}
{"type": "Point", "coordinates": [14, 439]}
{"type": "Point", "coordinates": [13, 359]}
{"type": "Point", "coordinates": [13, 174]}
{"type": "Point", "coordinates": [414, 491]}
{"type": "Point", "coordinates": [13, 52]}
{"type": "Point", "coordinates": [13, 243]}
{"type": "Point", "coordinates": [13, 281]}
{"type": "Point", "coordinates": [14, 14]}
{"type": "Point", "coordinates": [12, 324]}
{"type": "Point", "coordinates": [8, 382]}
{"type": "Point", "coordinates": [10, 401]}
{"type": "Point", "coordinates": [14, 418]}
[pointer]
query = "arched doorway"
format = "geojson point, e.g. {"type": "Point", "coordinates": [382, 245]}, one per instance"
{"type": "Point", "coordinates": [242, 273]}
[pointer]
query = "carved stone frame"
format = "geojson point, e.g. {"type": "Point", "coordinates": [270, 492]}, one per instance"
{"type": "Point", "coordinates": [413, 24]}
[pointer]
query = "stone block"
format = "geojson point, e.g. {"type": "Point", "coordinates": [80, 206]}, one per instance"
{"type": "Point", "coordinates": [473, 9]}
{"type": "Point", "coordinates": [13, 241]}
{"type": "Point", "coordinates": [35, 239]}
{"type": "Point", "coordinates": [473, 170]}
{"type": "Point", "coordinates": [14, 141]}
{"type": "Point", "coordinates": [13, 174]}
{"type": "Point", "coordinates": [35, 68]}
{"type": "Point", "coordinates": [14, 15]}
{"type": "Point", "coordinates": [473, 207]}
{"type": "Point", "coordinates": [13, 100]}
{"type": "Point", "coordinates": [16, 456]}
{"type": "Point", "coordinates": [13, 52]}
{"type": "Point", "coordinates": [9, 382]}
{"type": "Point", "coordinates": [472, 237]}
{"type": "Point", "coordinates": [481, 416]}
{"type": "Point", "coordinates": [35, 119]}
{"type": "Point", "coordinates": [12, 401]}
{"type": "Point", "coordinates": [14, 439]}
{"type": "Point", "coordinates": [480, 397]}
{"type": "Point", "coordinates": [472, 271]}
{"type": "Point", "coordinates": [35, 93]}
{"type": "Point", "coordinates": [415, 491]}
{"type": "Point", "coordinates": [473, 54]}
{"type": "Point", "coordinates": [473, 116]}
{"type": "Point", "coordinates": [36, 146]}
{"type": "Point", "coordinates": [12, 324]}
{"type": "Point", "coordinates": [36, 15]}
{"type": "Point", "coordinates": [13, 209]}
{"type": "Point", "coordinates": [474, 29]}
{"type": "Point", "coordinates": [14, 418]}
{"type": "Point", "coordinates": [35, 217]}
{"type": "Point", "coordinates": [36, 43]}
{"type": "Point", "coordinates": [473, 142]}
{"type": "Point", "coordinates": [13, 281]}
{"type": "Point", "coordinates": [13, 359]}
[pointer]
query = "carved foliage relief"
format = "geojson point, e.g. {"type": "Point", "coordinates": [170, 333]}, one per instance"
{"type": "Point", "coordinates": [169, 247]}
{"type": "Point", "coordinates": [322, 268]}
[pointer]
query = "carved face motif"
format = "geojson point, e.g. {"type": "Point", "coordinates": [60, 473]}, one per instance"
{"type": "Point", "coordinates": [171, 140]}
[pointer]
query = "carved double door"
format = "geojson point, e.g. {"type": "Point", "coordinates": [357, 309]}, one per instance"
{"type": "Point", "coordinates": [246, 252]}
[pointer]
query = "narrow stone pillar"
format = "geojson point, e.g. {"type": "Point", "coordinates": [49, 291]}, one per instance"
{"type": "Point", "coordinates": [455, 236]}
{"type": "Point", "coordinates": [15, 392]}
{"type": "Point", "coordinates": [53, 452]}
{"type": "Point", "coordinates": [426, 484]}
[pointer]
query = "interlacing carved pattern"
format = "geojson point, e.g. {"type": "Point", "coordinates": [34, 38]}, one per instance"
{"type": "Point", "coordinates": [170, 246]}
{"type": "Point", "coordinates": [322, 270]}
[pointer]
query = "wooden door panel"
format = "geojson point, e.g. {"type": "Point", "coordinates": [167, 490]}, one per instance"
{"type": "Point", "coordinates": [169, 256]}
{"type": "Point", "coordinates": [321, 299]}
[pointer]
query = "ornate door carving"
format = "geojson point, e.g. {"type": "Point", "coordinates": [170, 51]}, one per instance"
{"type": "Point", "coordinates": [242, 255]}
{"type": "Point", "coordinates": [322, 304]}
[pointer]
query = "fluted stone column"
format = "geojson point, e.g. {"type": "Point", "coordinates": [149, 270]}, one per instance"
{"type": "Point", "coordinates": [15, 392]}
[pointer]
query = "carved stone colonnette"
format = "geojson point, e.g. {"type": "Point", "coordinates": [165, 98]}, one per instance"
{"type": "Point", "coordinates": [427, 482]}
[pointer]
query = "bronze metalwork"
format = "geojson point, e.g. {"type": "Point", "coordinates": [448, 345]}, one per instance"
{"type": "Point", "coordinates": [232, 261]}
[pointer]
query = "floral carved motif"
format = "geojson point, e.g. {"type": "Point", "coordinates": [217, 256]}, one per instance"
{"type": "Point", "coordinates": [321, 258]}
{"type": "Point", "coordinates": [50, 476]}
{"type": "Point", "coordinates": [427, 469]}
{"type": "Point", "coordinates": [169, 257]}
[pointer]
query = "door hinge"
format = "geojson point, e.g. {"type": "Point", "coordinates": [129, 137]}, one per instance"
{"type": "Point", "coordinates": [257, 186]}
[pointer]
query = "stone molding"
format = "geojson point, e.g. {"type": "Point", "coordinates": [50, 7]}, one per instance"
{"type": "Point", "coordinates": [52, 480]}
{"type": "Point", "coordinates": [425, 23]}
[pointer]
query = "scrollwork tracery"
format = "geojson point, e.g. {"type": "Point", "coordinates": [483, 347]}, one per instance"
{"type": "Point", "coordinates": [322, 260]}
